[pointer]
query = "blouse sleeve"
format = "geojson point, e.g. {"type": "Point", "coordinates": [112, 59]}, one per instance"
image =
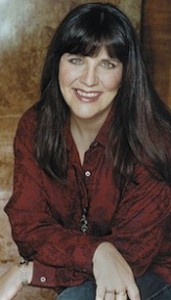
{"type": "Point", "coordinates": [36, 232]}
{"type": "Point", "coordinates": [142, 225]}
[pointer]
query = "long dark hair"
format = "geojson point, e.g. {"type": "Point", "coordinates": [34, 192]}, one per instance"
{"type": "Point", "coordinates": [141, 129]}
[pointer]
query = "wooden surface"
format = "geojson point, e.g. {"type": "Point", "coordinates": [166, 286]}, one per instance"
{"type": "Point", "coordinates": [156, 44]}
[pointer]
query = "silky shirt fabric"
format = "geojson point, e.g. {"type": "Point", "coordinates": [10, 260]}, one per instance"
{"type": "Point", "coordinates": [45, 215]}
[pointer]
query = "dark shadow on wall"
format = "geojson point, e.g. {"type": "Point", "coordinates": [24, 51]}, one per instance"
{"type": "Point", "coordinates": [156, 44]}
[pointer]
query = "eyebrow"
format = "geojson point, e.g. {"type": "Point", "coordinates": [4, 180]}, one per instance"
{"type": "Point", "coordinates": [114, 60]}
{"type": "Point", "coordinates": [111, 59]}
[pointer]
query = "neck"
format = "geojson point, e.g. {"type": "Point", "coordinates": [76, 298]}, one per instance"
{"type": "Point", "coordinates": [86, 130]}
{"type": "Point", "coordinates": [84, 133]}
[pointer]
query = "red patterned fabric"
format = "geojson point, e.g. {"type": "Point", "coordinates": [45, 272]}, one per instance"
{"type": "Point", "coordinates": [45, 215]}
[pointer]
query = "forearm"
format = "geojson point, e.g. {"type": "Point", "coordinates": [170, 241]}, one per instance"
{"type": "Point", "coordinates": [12, 281]}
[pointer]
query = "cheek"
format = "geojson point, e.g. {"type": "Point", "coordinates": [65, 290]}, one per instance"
{"type": "Point", "coordinates": [63, 78]}
{"type": "Point", "coordinates": [111, 82]}
{"type": "Point", "coordinates": [67, 77]}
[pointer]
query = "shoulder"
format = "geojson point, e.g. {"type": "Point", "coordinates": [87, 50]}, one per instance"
{"type": "Point", "coordinates": [28, 118]}
{"type": "Point", "coordinates": [26, 128]}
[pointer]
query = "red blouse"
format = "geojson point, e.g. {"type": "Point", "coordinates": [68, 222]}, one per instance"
{"type": "Point", "coordinates": [45, 215]}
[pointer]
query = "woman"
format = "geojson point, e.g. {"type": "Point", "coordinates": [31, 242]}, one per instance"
{"type": "Point", "coordinates": [90, 210]}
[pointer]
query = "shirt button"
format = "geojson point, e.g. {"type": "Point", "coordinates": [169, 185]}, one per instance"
{"type": "Point", "coordinates": [43, 279]}
{"type": "Point", "coordinates": [87, 173]}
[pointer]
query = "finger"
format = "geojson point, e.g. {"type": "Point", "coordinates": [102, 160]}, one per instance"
{"type": "Point", "coordinates": [121, 295]}
{"type": "Point", "coordinates": [134, 293]}
{"type": "Point", "coordinates": [109, 295]}
{"type": "Point", "coordinates": [100, 293]}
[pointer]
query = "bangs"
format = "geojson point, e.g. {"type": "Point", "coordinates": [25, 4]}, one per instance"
{"type": "Point", "coordinates": [90, 45]}
{"type": "Point", "coordinates": [87, 33]}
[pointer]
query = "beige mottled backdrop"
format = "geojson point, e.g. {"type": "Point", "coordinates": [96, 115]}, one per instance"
{"type": "Point", "coordinates": [25, 30]}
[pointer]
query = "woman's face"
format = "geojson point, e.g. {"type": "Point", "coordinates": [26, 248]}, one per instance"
{"type": "Point", "coordinates": [89, 84]}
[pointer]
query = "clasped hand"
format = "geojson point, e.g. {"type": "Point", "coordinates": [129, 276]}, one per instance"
{"type": "Point", "coordinates": [114, 277]}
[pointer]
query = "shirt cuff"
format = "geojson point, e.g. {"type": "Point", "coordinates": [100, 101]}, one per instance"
{"type": "Point", "coordinates": [43, 276]}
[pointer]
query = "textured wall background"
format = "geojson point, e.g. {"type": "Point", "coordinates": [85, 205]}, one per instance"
{"type": "Point", "coordinates": [25, 30]}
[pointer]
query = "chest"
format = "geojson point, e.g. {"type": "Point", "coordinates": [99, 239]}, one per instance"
{"type": "Point", "coordinates": [90, 186]}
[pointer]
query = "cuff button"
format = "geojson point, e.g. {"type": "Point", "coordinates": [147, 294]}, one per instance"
{"type": "Point", "coordinates": [43, 279]}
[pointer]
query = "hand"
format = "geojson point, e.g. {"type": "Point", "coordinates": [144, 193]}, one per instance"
{"type": "Point", "coordinates": [114, 278]}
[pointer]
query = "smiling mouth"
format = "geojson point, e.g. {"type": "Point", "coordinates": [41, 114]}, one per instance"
{"type": "Point", "coordinates": [87, 96]}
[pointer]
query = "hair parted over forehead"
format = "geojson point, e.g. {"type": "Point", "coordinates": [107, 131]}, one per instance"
{"type": "Point", "coordinates": [90, 26]}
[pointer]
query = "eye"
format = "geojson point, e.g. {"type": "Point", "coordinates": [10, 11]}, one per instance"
{"type": "Point", "coordinates": [107, 64]}
{"type": "Point", "coordinates": [76, 60]}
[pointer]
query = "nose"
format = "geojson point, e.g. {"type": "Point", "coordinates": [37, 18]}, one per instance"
{"type": "Point", "coordinates": [89, 76]}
